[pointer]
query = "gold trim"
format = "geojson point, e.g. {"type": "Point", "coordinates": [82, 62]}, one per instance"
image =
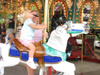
{"type": "Point", "coordinates": [64, 6]}
{"type": "Point", "coordinates": [90, 18]}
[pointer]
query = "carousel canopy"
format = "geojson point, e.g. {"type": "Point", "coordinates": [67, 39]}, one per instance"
{"type": "Point", "coordinates": [9, 6]}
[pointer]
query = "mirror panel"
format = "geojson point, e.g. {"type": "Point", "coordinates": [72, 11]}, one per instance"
{"type": "Point", "coordinates": [59, 4]}
{"type": "Point", "coordinates": [87, 12]}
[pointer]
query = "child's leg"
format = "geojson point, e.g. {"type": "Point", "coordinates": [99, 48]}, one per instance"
{"type": "Point", "coordinates": [30, 62]}
{"type": "Point", "coordinates": [11, 36]}
{"type": "Point", "coordinates": [32, 49]}
{"type": "Point", "coordinates": [30, 71]}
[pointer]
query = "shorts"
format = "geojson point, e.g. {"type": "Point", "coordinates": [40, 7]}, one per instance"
{"type": "Point", "coordinates": [26, 42]}
{"type": "Point", "coordinates": [9, 30]}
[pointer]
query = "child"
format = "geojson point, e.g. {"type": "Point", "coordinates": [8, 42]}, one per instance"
{"type": "Point", "coordinates": [27, 34]}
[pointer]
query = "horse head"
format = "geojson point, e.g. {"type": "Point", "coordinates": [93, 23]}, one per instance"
{"type": "Point", "coordinates": [59, 37]}
{"type": "Point", "coordinates": [56, 21]}
{"type": "Point", "coordinates": [82, 27]}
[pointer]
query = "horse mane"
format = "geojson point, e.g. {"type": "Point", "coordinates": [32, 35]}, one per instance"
{"type": "Point", "coordinates": [56, 21]}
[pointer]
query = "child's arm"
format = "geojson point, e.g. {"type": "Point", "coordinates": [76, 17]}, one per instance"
{"type": "Point", "coordinates": [38, 27]}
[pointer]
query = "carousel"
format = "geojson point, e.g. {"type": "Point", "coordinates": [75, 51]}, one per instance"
{"type": "Point", "coordinates": [73, 29]}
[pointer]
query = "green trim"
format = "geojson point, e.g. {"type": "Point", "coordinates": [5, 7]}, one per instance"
{"type": "Point", "coordinates": [73, 32]}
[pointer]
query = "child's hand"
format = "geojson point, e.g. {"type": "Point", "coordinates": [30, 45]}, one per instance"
{"type": "Point", "coordinates": [45, 34]}
{"type": "Point", "coordinates": [44, 26]}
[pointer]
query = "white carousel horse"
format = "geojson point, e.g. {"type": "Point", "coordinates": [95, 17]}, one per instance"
{"type": "Point", "coordinates": [58, 40]}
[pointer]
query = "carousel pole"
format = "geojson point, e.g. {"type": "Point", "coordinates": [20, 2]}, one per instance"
{"type": "Point", "coordinates": [74, 11]}
{"type": "Point", "coordinates": [48, 17]}
{"type": "Point", "coordinates": [53, 7]}
{"type": "Point", "coordinates": [4, 14]}
{"type": "Point", "coordinates": [45, 18]}
{"type": "Point", "coordinates": [1, 18]}
{"type": "Point", "coordinates": [82, 45]}
{"type": "Point", "coordinates": [16, 16]}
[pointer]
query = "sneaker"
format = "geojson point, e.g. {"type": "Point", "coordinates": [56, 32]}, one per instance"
{"type": "Point", "coordinates": [31, 64]}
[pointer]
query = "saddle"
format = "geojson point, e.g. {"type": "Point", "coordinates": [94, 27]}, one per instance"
{"type": "Point", "coordinates": [39, 52]}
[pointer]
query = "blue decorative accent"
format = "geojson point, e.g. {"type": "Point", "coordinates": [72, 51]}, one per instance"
{"type": "Point", "coordinates": [13, 51]}
{"type": "Point", "coordinates": [25, 56]}
{"type": "Point", "coordinates": [52, 59]}
{"type": "Point", "coordinates": [77, 30]}
{"type": "Point", "coordinates": [47, 58]}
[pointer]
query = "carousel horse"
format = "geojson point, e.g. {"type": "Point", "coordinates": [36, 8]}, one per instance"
{"type": "Point", "coordinates": [55, 49]}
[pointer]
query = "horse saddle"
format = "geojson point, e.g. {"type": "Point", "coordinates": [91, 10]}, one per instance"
{"type": "Point", "coordinates": [39, 52]}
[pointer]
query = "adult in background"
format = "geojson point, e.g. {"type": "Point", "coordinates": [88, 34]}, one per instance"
{"type": "Point", "coordinates": [10, 29]}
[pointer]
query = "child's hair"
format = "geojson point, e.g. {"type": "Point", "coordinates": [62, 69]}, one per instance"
{"type": "Point", "coordinates": [22, 16]}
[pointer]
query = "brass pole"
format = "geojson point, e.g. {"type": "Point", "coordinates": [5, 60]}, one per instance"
{"type": "Point", "coordinates": [82, 45]}
{"type": "Point", "coordinates": [16, 16]}
{"type": "Point", "coordinates": [1, 18]}
{"type": "Point", "coordinates": [48, 17]}
{"type": "Point", "coordinates": [4, 13]}
{"type": "Point", "coordinates": [45, 18]}
{"type": "Point", "coordinates": [74, 10]}
{"type": "Point", "coordinates": [53, 7]}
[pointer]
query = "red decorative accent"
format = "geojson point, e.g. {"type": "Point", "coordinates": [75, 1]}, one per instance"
{"type": "Point", "coordinates": [89, 47]}
{"type": "Point", "coordinates": [77, 53]}
{"type": "Point", "coordinates": [3, 32]}
{"type": "Point", "coordinates": [81, 73]}
{"type": "Point", "coordinates": [93, 60]}
{"type": "Point", "coordinates": [49, 70]}
{"type": "Point", "coordinates": [54, 71]}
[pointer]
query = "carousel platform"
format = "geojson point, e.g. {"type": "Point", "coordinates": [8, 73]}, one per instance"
{"type": "Point", "coordinates": [89, 68]}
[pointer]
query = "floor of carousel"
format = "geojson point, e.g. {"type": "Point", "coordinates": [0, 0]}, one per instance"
{"type": "Point", "coordinates": [89, 68]}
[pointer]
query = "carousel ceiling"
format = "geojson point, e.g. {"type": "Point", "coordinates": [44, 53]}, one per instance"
{"type": "Point", "coordinates": [9, 6]}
